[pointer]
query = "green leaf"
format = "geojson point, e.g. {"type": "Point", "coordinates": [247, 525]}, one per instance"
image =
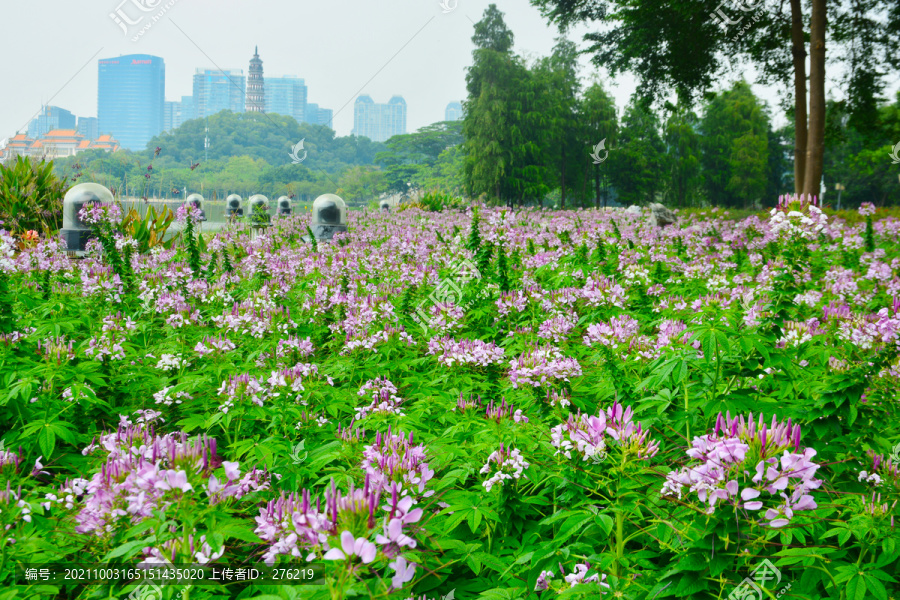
{"type": "Point", "coordinates": [604, 522]}
{"type": "Point", "coordinates": [129, 549]}
{"type": "Point", "coordinates": [856, 588]}
{"type": "Point", "coordinates": [47, 440]}
{"type": "Point", "coordinates": [491, 561]}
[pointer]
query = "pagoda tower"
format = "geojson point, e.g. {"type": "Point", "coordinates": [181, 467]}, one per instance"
{"type": "Point", "coordinates": [256, 91]}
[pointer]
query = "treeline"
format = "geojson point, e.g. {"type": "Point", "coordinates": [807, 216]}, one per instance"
{"type": "Point", "coordinates": [252, 153]}
{"type": "Point", "coordinates": [248, 153]}
{"type": "Point", "coordinates": [532, 132]}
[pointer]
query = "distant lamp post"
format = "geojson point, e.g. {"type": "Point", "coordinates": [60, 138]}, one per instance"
{"type": "Point", "coordinates": [196, 200]}
{"type": "Point", "coordinates": [284, 206]}
{"type": "Point", "coordinates": [840, 188]}
{"type": "Point", "coordinates": [259, 213]}
{"type": "Point", "coordinates": [329, 216]}
{"type": "Point", "coordinates": [75, 232]}
{"type": "Point", "coordinates": [234, 207]}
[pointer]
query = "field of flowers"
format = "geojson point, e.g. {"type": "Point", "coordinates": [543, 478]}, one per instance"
{"type": "Point", "coordinates": [471, 404]}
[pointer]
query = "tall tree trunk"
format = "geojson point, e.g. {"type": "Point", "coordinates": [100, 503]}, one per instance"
{"type": "Point", "coordinates": [798, 50]}
{"type": "Point", "coordinates": [815, 145]}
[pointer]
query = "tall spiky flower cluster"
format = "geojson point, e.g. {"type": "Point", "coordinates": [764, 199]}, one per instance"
{"type": "Point", "coordinates": [798, 217]}
{"type": "Point", "coordinates": [344, 528]}
{"type": "Point", "coordinates": [145, 472]}
{"type": "Point", "coordinates": [592, 436]}
{"type": "Point", "coordinates": [751, 466]}
{"type": "Point", "coordinates": [395, 459]}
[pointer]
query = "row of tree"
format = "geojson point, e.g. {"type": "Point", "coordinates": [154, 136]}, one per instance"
{"type": "Point", "coordinates": [532, 132]}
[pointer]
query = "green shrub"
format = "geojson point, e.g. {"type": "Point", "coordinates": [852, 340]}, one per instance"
{"type": "Point", "coordinates": [31, 196]}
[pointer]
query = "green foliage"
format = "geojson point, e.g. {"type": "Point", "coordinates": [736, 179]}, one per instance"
{"type": "Point", "coordinates": [31, 196]}
{"type": "Point", "coordinates": [869, 235]}
{"type": "Point", "coordinates": [735, 147]}
{"type": "Point", "coordinates": [683, 158]}
{"type": "Point", "coordinates": [503, 279]}
{"type": "Point", "coordinates": [427, 159]}
{"type": "Point", "coordinates": [149, 229]}
{"type": "Point", "coordinates": [436, 201]}
{"type": "Point", "coordinates": [635, 164]}
{"type": "Point", "coordinates": [7, 314]}
{"type": "Point", "coordinates": [474, 241]}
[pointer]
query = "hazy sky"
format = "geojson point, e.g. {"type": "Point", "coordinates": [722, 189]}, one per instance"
{"type": "Point", "coordinates": [340, 47]}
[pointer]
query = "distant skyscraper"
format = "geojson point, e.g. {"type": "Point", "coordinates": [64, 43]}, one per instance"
{"type": "Point", "coordinates": [172, 116]}
{"type": "Point", "coordinates": [378, 122]}
{"type": "Point", "coordinates": [319, 116]}
{"type": "Point", "coordinates": [89, 127]}
{"type": "Point", "coordinates": [188, 111]}
{"type": "Point", "coordinates": [256, 88]}
{"type": "Point", "coordinates": [312, 113]}
{"type": "Point", "coordinates": [453, 112]}
{"type": "Point", "coordinates": [286, 96]}
{"type": "Point", "coordinates": [216, 90]}
{"type": "Point", "coordinates": [50, 118]}
{"type": "Point", "coordinates": [131, 94]}
{"type": "Point", "coordinates": [326, 116]}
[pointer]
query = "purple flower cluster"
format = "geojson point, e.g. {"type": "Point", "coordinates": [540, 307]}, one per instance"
{"type": "Point", "coordinates": [188, 212]}
{"type": "Point", "coordinates": [881, 469]}
{"type": "Point", "coordinates": [725, 459]}
{"type": "Point", "coordinates": [541, 365]}
{"type": "Point", "coordinates": [9, 461]}
{"type": "Point", "coordinates": [294, 346]}
{"type": "Point", "coordinates": [57, 349]}
{"type": "Point", "coordinates": [95, 213]}
{"type": "Point", "coordinates": [619, 330]}
{"type": "Point", "coordinates": [343, 528]}
{"type": "Point", "coordinates": [876, 508]}
{"type": "Point", "coordinates": [288, 381]}
{"type": "Point", "coordinates": [394, 459]}
{"type": "Point", "coordinates": [498, 412]}
{"type": "Point", "coordinates": [556, 329]}
{"type": "Point", "coordinates": [362, 339]}
{"type": "Point", "coordinates": [465, 352]}
{"type": "Point", "coordinates": [503, 464]}
{"type": "Point", "coordinates": [463, 404]}
{"type": "Point", "coordinates": [591, 436]}
{"type": "Point", "coordinates": [214, 345]}
{"type": "Point", "coordinates": [144, 472]}
{"type": "Point", "coordinates": [384, 398]}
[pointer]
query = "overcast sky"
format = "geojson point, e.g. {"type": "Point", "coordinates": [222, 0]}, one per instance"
{"type": "Point", "coordinates": [340, 47]}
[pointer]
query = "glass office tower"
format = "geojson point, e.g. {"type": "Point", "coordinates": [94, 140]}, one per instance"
{"type": "Point", "coordinates": [131, 92]}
